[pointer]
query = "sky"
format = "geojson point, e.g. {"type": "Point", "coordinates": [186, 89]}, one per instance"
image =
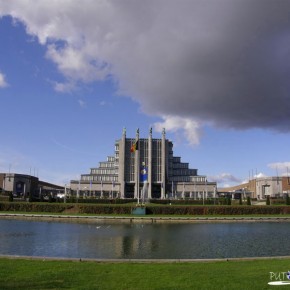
{"type": "Point", "coordinates": [213, 73]}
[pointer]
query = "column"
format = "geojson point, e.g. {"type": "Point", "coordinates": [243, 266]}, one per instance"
{"type": "Point", "coordinates": [163, 165]}
{"type": "Point", "coordinates": [150, 164]}
{"type": "Point", "coordinates": [122, 162]}
{"type": "Point", "coordinates": [137, 168]}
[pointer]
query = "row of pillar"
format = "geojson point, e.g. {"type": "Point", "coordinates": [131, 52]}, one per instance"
{"type": "Point", "coordinates": [122, 164]}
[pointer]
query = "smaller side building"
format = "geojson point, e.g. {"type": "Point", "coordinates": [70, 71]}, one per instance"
{"type": "Point", "coordinates": [260, 188]}
{"type": "Point", "coordinates": [22, 185]}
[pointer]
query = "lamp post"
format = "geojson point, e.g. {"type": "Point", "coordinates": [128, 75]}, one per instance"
{"type": "Point", "coordinates": [64, 198]}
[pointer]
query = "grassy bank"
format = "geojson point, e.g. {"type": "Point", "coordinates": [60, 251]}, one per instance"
{"type": "Point", "coordinates": [39, 274]}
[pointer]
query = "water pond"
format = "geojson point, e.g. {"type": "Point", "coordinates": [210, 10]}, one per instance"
{"type": "Point", "coordinates": [144, 241]}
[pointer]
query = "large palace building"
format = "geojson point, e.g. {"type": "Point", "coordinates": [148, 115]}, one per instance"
{"type": "Point", "coordinates": [143, 168]}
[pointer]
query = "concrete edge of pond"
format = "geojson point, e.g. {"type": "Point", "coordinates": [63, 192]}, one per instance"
{"type": "Point", "coordinates": [43, 258]}
{"type": "Point", "coordinates": [144, 219]}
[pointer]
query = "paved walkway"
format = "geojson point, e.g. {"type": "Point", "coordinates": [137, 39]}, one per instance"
{"type": "Point", "coordinates": [141, 260]}
{"type": "Point", "coordinates": [143, 219]}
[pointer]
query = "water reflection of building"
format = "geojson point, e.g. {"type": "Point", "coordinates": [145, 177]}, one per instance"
{"type": "Point", "coordinates": [153, 164]}
{"type": "Point", "coordinates": [22, 185]}
{"type": "Point", "coordinates": [260, 188]}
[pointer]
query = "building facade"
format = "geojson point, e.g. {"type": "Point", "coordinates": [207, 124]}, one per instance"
{"type": "Point", "coordinates": [143, 168]}
{"type": "Point", "coordinates": [260, 188]}
{"type": "Point", "coordinates": [22, 185]}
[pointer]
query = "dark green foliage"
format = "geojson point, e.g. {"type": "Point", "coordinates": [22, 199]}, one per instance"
{"type": "Point", "coordinates": [268, 200]}
{"type": "Point", "coordinates": [100, 209]}
{"type": "Point", "coordinates": [287, 199]}
{"type": "Point", "coordinates": [104, 209]}
{"type": "Point", "coordinates": [229, 201]}
{"type": "Point", "coordinates": [217, 210]}
{"type": "Point", "coordinates": [277, 201]}
{"type": "Point", "coordinates": [33, 207]}
{"type": "Point", "coordinates": [10, 197]}
{"type": "Point", "coordinates": [184, 201]}
{"type": "Point", "coordinates": [240, 200]}
{"type": "Point", "coordinates": [30, 198]}
{"type": "Point", "coordinates": [248, 200]}
{"type": "Point", "coordinates": [100, 200]}
{"type": "Point", "coordinates": [5, 195]}
{"type": "Point", "coordinates": [222, 201]}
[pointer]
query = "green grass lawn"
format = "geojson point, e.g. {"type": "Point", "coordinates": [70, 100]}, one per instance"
{"type": "Point", "coordinates": [42, 274]}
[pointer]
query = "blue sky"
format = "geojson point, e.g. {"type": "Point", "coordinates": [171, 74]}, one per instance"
{"type": "Point", "coordinates": [72, 78]}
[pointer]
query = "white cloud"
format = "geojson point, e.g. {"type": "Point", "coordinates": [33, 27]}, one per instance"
{"type": "Point", "coordinates": [77, 63]}
{"type": "Point", "coordinates": [64, 87]}
{"type": "Point", "coordinates": [3, 82]}
{"type": "Point", "coordinates": [225, 178]}
{"type": "Point", "coordinates": [189, 127]}
{"type": "Point", "coordinates": [281, 168]}
{"type": "Point", "coordinates": [82, 103]}
{"type": "Point", "coordinates": [260, 175]}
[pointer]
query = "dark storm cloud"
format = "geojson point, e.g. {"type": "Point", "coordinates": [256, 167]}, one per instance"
{"type": "Point", "coordinates": [222, 62]}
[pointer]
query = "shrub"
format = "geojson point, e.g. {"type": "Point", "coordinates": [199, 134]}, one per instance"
{"type": "Point", "coordinates": [287, 199]}
{"type": "Point", "coordinates": [279, 201]}
{"type": "Point", "coordinates": [268, 200]}
{"type": "Point", "coordinates": [248, 200]}
{"type": "Point", "coordinates": [183, 201]}
{"type": "Point", "coordinates": [217, 210]}
{"type": "Point", "coordinates": [32, 207]}
{"type": "Point", "coordinates": [156, 210]}
{"type": "Point", "coordinates": [10, 197]}
{"type": "Point", "coordinates": [100, 200]}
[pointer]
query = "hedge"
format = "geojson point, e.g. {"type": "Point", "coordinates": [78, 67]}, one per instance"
{"type": "Point", "coordinates": [156, 210]}
{"type": "Point", "coordinates": [104, 209]}
{"type": "Point", "coordinates": [100, 200]}
{"type": "Point", "coordinates": [183, 201]}
{"type": "Point", "coordinates": [218, 210]}
{"type": "Point", "coordinates": [34, 207]}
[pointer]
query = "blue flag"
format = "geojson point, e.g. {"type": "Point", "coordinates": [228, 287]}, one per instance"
{"type": "Point", "coordinates": [143, 173]}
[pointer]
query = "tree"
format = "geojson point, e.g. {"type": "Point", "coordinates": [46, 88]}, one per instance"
{"type": "Point", "coordinates": [287, 199]}
{"type": "Point", "coordinates": [10, 196]}
{"type": "Point", "coordinates": [241, 200]}
{"type": "Point", "coordinates": [268, 200]}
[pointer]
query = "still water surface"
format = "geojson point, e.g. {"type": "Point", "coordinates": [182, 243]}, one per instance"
{"type": "Point", "coordinates": [144, 241]}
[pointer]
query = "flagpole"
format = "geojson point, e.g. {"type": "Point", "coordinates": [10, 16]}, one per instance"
{"type": "Point", "coordinates": [137, 156]}
{"type": "Point", "coordinates": [138, 175]}
{"type": "Point", "coordinates": [90, 188]}
{"type": "Point", "coordinates": [79, 189]}
{"type": "Point", "coordinates": [135, 149]}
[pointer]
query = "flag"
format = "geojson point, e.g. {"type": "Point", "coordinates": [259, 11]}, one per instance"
{"type": "Point", "coordinates": [134, 147]}
{"type": "Point", "coordinates": [143, 173]}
